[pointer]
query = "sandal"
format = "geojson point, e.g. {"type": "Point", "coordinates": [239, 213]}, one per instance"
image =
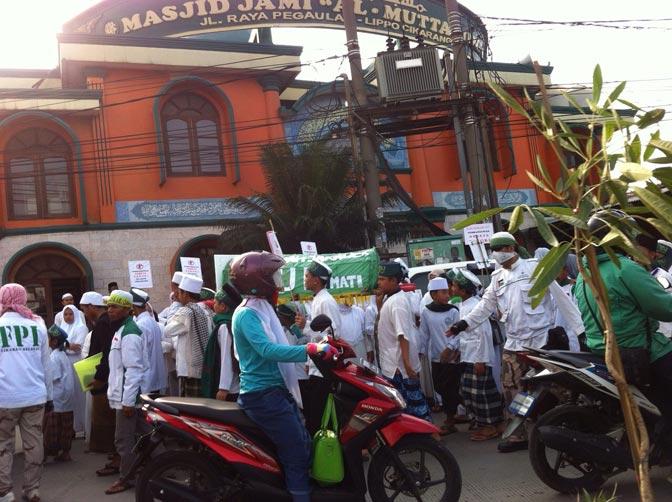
{"type": "Point", "coordinates": [63, 457]}
{"type": "Point", "coordinates": [118, 487]}
{"type": "Point", "coordinates": [108, 470]}
{"type": "Point", "coordinates": [447, 429]}
{"type": "Point", "coordinates": [484, 433]}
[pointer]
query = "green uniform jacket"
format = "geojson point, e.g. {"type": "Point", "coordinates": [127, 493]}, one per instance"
{"type": "Point", "coordinates": [634, 296]}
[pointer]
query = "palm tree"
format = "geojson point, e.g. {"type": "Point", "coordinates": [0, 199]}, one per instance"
{"type": "Point", "coordinates": [311, 195]}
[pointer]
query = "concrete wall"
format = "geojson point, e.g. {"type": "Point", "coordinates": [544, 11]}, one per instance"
{"type": "Point", "coordinates": [108, 252]}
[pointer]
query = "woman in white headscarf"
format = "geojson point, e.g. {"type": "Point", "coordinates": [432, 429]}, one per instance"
{"type": "Point", "coordinates": [74, 326]}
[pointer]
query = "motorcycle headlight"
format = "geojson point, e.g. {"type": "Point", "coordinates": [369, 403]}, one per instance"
{"type": "Point", "coordinates": [392, 393]}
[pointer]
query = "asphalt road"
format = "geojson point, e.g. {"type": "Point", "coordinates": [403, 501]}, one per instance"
{"type": "Point", "coordinates": [486, 474]}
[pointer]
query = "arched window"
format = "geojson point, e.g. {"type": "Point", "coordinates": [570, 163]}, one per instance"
{"type": "Point", "coordinates": [39, 175]}
{"type": "Point", "coordinates": [192, 136]}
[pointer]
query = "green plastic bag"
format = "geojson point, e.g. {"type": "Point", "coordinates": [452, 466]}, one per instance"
{"type": "Point", "coordinates": [327, 453]}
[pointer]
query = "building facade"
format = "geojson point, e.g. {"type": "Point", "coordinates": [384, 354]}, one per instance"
{"type": "Point", "coordinates": [131, 148]}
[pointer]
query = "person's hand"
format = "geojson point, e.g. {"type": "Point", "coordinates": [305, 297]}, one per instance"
{"type": "Point", "coordinates": [75, 347]}
{"type": "Point", "coordinates": [48, 406]}
{"type": "Point", "coordinates": [323, 349]}
{"type": "Point", "coordinates": [449, 356]}
{"type": "Point", "coordinates": [410, 371]}
{"type": "Point", "coordinates": [128, 411]}
{"type": "Point", "coordinates": [479, 369]}
{"type": "Point", "coordinates": [457, 328]}
{"type": "Point", "coordinates": [96, 385]}
{"type": "Point", "coordinates": [300, 320]}
{"type": "Point", "coordinates": [222, 395]}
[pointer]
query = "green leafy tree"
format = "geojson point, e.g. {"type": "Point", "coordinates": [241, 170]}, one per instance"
{"type": "Point", "coordinates": [311, 195]}
{"type": "Point", "coordinates": [598, 179]}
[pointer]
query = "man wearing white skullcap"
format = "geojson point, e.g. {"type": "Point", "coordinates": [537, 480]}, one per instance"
{"type": "Point", "coordinates": [101, 435]}
{"type": "Point", "coordinates": [169, 344]}
{"type": "Point", "coordinates": [155, 376]}
{"type": "Point", "coordinates": [435, 318]}
{"type": "Point", "coordinates": [191, 328]}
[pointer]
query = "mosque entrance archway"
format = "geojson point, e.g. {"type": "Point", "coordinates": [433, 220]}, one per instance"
{"type": "Point", "coordinates": [48, 271]}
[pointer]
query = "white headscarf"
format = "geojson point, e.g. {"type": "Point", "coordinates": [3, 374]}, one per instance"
{"type": "Point", "coordinates": [76, 330]}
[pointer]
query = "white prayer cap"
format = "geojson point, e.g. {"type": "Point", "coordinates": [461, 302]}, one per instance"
{"type": "Point", "coordinates": [140, 297]}
{"type": "Point", "coordinates": [191, 284]}
{"type": "Point", "coordinates": [66, 296]}
{"type": "Point", "coordinates": [177, 277]}
{"type": "Point", "coordinates": [437, 284]}
{"type": "Point", "coordinates": [92, 298]}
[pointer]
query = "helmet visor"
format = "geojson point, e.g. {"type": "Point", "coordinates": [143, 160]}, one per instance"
{"type": "Point", "coordinates": [277, 279]}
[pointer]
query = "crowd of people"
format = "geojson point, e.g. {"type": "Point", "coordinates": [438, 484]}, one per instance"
{"type": "Point", "coordinates": [456, 351]}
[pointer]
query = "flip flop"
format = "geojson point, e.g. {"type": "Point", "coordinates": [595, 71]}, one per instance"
{"type": "Point", "coordinates": [118, 487]}
{"type": "Point", "coordinates": [108, 470]}
{"type": "Point", "coordinates": [447, 429]}
{"type": "Point", "coordinates": [484, 434]}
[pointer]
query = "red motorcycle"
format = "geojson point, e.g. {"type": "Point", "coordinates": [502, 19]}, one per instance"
{"type": "Point", "coordinates": [222, 455]}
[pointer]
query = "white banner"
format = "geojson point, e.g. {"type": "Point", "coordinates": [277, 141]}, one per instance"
{"type": "Point", "coordinates": [140, 273]}
{"type": "Point", "coordinates": [309, 248]}
{"type": "Point", "coordinates": [480, 233]}
{"type": "Point", "coordinates": [191, 266]}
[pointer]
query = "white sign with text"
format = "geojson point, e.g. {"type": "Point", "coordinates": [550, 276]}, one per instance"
{"type": "Point", "coordinates": [308, 248]}
{"type": "Point", "coordinates": [140, 272]}
{"type": "Point", "coordinates": [191, 266]}
{"type": "Point", "coordinates": [480, 233]}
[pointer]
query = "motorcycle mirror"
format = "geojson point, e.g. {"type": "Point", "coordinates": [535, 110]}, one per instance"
{"type": "Point", "coordinates": [320, 323]}
{"type": "Point", "coordinates": [664, 282]}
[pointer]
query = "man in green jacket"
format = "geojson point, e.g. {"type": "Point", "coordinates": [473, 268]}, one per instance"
{"type": "Point", "coordinates": [637, 302]}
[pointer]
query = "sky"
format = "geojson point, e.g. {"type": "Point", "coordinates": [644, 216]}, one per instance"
{"type": "Point", "coordinates": [638, 53]}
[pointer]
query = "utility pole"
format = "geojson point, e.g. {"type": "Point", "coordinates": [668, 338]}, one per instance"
{"type": "Point", "coordinates": [368, 157]}
{"type": "Point", "coordinates": [355, 153]}
{"type": "Point", "coordinates": [480, 176]}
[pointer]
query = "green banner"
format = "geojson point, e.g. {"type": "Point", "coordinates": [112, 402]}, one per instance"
{"type": "Point", "coordinates": [353, 273]}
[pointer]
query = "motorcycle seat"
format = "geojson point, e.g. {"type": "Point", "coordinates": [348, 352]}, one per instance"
{"type": "Point", "coordinates": [212, 409]}
{"type": "Point", "coordinates": [578, 359]}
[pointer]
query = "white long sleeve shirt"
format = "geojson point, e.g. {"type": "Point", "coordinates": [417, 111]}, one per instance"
{"type": "Point", "coordinates": [169, 312]}
{"type": "Point", "coordinates": [63, 376]}
{"type": "Point", "coordinates": [127, 366]}
{"type": "Point", "coordinates": [155, 378]}
{"type": "Point", "coordinates": [229, 379]}
{"type": "Point", "coordinates": [476, 345]}
{"type": "Point", "coordinates": [525, 325]}
{"type": "Point", "coordinates": [25, 368]}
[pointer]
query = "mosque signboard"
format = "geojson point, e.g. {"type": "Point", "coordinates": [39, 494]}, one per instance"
{"type": "Point", "coordinates": [165, 18]}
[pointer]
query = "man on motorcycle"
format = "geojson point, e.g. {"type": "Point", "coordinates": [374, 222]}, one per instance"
{"type": "Point", "coordinates": [637, 304]}
{"type": "Point", "coordinates": [269, 390]}
{"type": "Point", "coordinates": [526, 326]}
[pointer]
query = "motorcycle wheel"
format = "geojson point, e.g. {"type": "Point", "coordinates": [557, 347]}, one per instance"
{"type": "Point", "coordinates": [576, 475]}
{"type": "Point", "coordinates": [183, 470]}
{"type": "Point", "coordinates": [433, 468]}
